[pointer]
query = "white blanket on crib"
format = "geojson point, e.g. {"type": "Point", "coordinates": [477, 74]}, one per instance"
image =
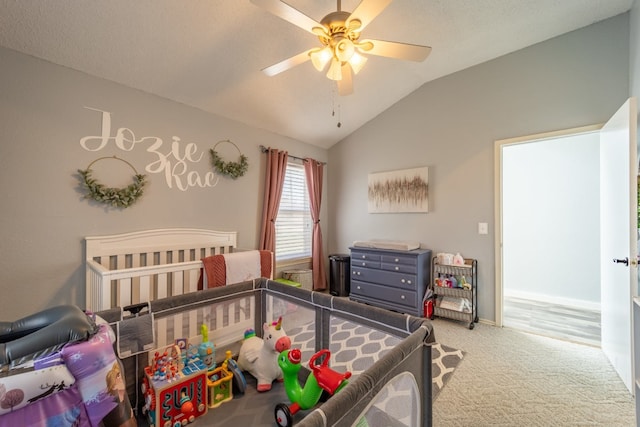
{"type": "Point", "coordinates": [242, 266]}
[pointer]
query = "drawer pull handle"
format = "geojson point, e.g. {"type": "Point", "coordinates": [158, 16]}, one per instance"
{"type": "Point", "coordinates": [402, 297]}
{"type": "Point", "coordinates": [409, 281]}
{"type": "Point", "coordinates": [364, 256]}
{"type": "Point", "coordinates": [397, 260]}
{"type": "Point", "coordinates": [402, 281]}
{"type": "Point", "coordinates": [358, 287]}
{"type": "Point", "coordinates": [397, 268]}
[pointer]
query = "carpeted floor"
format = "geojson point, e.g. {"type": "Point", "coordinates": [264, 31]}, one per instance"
{"type": "Point", "coordinates": [511, 378]}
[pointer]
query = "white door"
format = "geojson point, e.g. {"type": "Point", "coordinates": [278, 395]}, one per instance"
{"type": "Point", "coordinates": [618, 236]}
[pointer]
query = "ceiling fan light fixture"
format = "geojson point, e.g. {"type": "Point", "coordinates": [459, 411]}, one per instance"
{"type": "Point", "coordinates": [357, 62]}
{"type": "Point", "coordinates": [320, 57]}
{"type": "Point", "coordinates": [339, 35]}
{"type": "Point", "coordinates": [335, 70]}
{"type": "Point", "coordinates": [344, 50]}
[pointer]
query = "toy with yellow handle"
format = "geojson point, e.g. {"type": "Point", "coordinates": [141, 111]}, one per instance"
{"type": "Point", "coordinates": [239, 381]}
{"type": "Point", "coordinates": [207, 350]}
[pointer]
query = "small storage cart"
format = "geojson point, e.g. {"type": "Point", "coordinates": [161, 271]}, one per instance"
{"type": "Point", "coordinates": [455, 290]}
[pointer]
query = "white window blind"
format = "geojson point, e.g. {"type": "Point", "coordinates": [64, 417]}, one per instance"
{"type": "Point", "coordinates": [294, 224]}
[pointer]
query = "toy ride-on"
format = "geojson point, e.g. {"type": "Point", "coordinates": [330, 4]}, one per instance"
{"type": "Point", "coordinates": [321, 378]}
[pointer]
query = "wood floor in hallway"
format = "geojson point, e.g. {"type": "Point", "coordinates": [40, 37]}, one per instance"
{"type": "Point", "coordinates": [553, 320]}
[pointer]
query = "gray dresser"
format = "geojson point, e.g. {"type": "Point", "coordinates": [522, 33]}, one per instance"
{"type": "Point", "coordinates": [395, 280]}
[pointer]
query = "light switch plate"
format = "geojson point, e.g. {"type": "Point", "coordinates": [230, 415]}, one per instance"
{"type": "Point", "coordinates": [483, 228]}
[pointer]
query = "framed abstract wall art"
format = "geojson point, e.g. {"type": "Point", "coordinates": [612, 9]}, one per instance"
{"type": "Point", "coordinates": [405, 190]}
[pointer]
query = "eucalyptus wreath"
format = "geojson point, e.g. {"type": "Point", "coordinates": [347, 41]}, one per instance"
{"type": "Point", "coordinates": [230, 169]}
{"type": "Point", "coordinates": [116, 197]}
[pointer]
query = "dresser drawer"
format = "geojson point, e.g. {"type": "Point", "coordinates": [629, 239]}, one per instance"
{"type": "Point", "coordinates": [365, 263]}
{"type": "Point", "coordinates": [365, 256]}
{"type": "Point", "coordinates": [384, 294]}
{"type": "Point", "coordinates": [399, 259]}
{"type": "Point", "coordinates": [400, 268]}
{"type": "Point", "coordinates": [383, 277]}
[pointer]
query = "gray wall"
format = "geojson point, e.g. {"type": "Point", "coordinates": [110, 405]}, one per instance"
{"type": "Point", "coordinates": [450, 125]}
{"type": "Point", "coordinates": [43, 217]}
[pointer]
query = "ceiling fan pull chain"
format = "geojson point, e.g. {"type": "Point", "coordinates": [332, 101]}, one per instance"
{"type": "Point", "coordinates": [333, 104]}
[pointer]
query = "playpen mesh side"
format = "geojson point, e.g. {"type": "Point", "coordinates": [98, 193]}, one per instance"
{"type": "Point", "coordinates": [227, 312]}
{"type": "Point", "coordinates": [396, 405]}
{"type": "Point", "coordinates": [387, 353]}
{"type": "Point", "coordinates": [398, 385]}
{"type": "Point", "coordinates": [354, 347]}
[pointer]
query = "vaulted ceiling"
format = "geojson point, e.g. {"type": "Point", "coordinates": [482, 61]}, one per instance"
{"type": "Point", "coordinates": [208, 53]}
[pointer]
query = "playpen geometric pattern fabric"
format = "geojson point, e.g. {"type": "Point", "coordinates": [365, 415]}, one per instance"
{"type": "Point", "coordinates": [355, 348]}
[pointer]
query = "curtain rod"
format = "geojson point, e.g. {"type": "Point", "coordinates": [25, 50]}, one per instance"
{"type": "Point", "coordinates": [265, 149]}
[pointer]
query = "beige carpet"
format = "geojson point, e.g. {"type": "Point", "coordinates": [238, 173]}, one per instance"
{"type": "Point", "coordinates": [511, 378]}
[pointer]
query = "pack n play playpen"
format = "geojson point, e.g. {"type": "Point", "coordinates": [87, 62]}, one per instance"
{"type": "Point", "coordinates": [388, 354]}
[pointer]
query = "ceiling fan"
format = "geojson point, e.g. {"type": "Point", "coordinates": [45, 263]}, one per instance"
{"type": "Point", "coordinates": [339, 35]}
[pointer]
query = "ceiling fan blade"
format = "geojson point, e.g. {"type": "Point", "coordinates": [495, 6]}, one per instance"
{"type": "Point", "coordinates": [287, 63]}
{"type": "Point", "coordinates": [345, 85]}
{"type": "Point", "coordinates": [411, 52]}
{"type": "Point", "coordinates": [288, 13]}
{"type": "Point", "coordinates": [367, 11]}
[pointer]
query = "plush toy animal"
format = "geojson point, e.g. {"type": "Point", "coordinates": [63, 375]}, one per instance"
{"type": "Point", "coordinates": [259, 356]}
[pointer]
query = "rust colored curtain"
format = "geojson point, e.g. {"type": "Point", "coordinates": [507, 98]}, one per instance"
{"type": "Point", "coordinates": [313, 173]}
{"type": "Point", "coordinates": [274, 179]}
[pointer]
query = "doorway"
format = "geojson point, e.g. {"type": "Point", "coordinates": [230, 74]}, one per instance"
{"type": "Point", "coordinates": [551, 233]}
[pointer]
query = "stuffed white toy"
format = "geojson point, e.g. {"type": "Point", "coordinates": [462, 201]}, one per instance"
{"type": "Point", "coordinates": [259, 356]}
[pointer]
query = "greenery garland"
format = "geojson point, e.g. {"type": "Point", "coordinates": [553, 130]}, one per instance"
{"type": "Point", "coordinates": [230, 169]}
{"type": "Point", "coordinates": [116, 197]}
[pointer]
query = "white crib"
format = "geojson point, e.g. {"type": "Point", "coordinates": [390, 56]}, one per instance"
{"type": "Point", "coordinates": [137, 267]}
{"type": "Point", "coordinates": [129, 268]}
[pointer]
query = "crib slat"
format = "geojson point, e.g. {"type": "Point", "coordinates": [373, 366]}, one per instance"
{"type": "Point", "coordinates": [161, 332]}
{"type": "Point", "coordinates": [193, 327]}
{"type": "Point", "coordinates": [123, 292]}
{"type": "Point", "coordinates": [135, 281]}
{"type": "Point", "coordinates": [163, 287]}
{"type": "Point", "coordinates": [120, 293]}
{"type": "Point", "coordinates": [191, 281]}
{"type": "Point", "coordinates": [177, 287]}
{"type": "Point", "coordinates": [177, 327]}
{"type": "Point", "coordinates": [147, 288]}
{"type": "Point", "coordinates": [144, 292]}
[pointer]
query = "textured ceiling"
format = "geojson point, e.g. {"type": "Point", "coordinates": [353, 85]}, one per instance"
{"type": "Point", "coordinates": [209, 53]}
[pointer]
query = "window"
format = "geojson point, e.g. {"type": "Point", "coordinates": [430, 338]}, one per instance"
{"type": "Point", "coordinates": [294, 224]}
